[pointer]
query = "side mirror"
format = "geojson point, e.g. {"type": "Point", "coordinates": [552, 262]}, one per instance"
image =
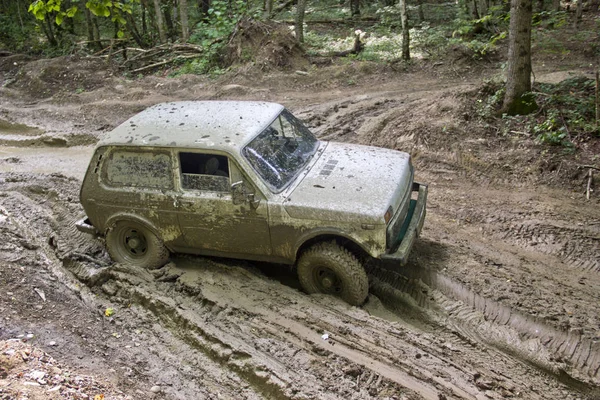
{"type": "Point", "coordinates": [240, 195]}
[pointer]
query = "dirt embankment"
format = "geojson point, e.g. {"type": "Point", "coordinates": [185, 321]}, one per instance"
{"type": "Point", "coordinates": [499, 299]}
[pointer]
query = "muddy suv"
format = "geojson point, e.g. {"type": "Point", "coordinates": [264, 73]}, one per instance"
{"type": "Point", "coordinates": [248, 180]}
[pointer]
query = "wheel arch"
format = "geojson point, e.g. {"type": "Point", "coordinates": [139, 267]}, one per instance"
{"type": "Point", "coordinates": [343, 240]}
{"type": "Point", "coordinates": [112, 221]}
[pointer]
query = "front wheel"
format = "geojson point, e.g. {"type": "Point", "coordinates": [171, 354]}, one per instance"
{"type": "Point", "coordinates": [132, 243]}
{"type": "Point", "coordinates": [331, 269]}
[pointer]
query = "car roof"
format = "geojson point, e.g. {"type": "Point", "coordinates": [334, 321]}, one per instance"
{"type": "Point", "coordinates": [216, 125]}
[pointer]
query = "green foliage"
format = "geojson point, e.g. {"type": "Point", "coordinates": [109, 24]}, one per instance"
{"type": "Point", "coordinates": [550, 19]}
{"type": "Point", "coordinates": [430, 41]}
{"type": "Point", "coordinates": [114, 10]}
{"type": "Point", "coordinates": [490, 97]}
{"type": "Point", "coordinates": [212, 33]}
{"type": "Point", "coordinates": [552, 131]}
{"type": "Point", "coordinates": [481, 35]}
{"type": "Point", "coordinates": [565, 117]}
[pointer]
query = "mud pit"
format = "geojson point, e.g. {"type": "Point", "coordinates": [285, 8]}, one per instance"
{"type": "Point", "coordinates": [499, 299]}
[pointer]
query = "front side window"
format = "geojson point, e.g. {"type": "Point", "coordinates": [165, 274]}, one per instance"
{"type": "Point", "coordinates": [281, 151]}
{"type": "Point", "coordinates": [207, 172]}
{"type": "Point", "coordinates": [143, 169]}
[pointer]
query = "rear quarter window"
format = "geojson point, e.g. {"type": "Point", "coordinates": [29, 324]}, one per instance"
{"type": "Point", "coordinates": [144, 169]}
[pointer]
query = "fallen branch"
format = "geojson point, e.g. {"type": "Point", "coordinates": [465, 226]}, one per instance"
{"type": "Point", "coordinates": [589, 166]}
{"type": "Point", "coordinates": [165, 62]}
{"type": "Point", "coordinates": [589, 185]}
{"type": "Point", "coordinates": [340, 21]}
{"type": "Point", "coordinates": [356, 48]}
{"type": "Point", "coordinates": [597, 98]}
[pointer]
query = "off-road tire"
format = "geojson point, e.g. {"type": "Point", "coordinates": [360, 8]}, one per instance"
{"type": "Point", "coordinates": [329, 261]}
{"type": "Point", "coordinates": [132, 243]}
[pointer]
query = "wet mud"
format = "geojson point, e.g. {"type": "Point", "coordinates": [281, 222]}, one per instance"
{"type": "Point", "coordinates": [499, 299]}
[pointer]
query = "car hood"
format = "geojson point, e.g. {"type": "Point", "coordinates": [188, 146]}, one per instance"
{"type": "Point", "coordinates": [352, 182]}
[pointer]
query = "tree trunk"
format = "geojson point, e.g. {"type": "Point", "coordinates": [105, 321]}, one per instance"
{"type": "Point", "coordinates": [144, 25]}
{"type": "Point", "coordinates": [578, 13]}
{"type": "Point", "coordinates": [204, 6]}
{"type": "Point", "coordinates": [183, 17]}
{"type": "Point", "coordinates": [475, 10]}
{"type": "Point", "coordinates": [405, 34]}
{"type": "Point", "coordinates": [556, 5]}
{"type": "Point", "coordinates": [20, 17]}
{"type": "Point", "coordinates": [518, 99]}
{"type": "Point", "coordinates": [96, 30]}
{"type": "Point", "coordinates": [299, 26]}
{"type": "Point", "coordinates": [355, 7]}
{"type": "Point", "coordinates": [132, 28]}
{"type": "Point", "coordinates": [168, 14]}
{"type": "Point", "coordinates": [420, 10]}
{"type": "Point", "coordinates": [47, 26]}
{"type": "Point", "coordinates": [159, 22]}
{"type": "Point", "coordinates": [269, 8]}
{"type": "Point", "coordinates": [540, 5]}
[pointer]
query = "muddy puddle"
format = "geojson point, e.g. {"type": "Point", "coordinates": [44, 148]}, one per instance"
{"type": "Point", "coordinates": [69, 161]}
{"type": "Point", "coordinates": [10, 128]}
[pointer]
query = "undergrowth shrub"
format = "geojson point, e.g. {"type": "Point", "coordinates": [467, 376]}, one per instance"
{"type": "Point", "coordinates": [566, 114]}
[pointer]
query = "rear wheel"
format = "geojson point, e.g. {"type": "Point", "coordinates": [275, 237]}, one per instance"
{"type": "Point", "coordinates": [132, 243]}
{"type": "Point", "coordinates": [331, 269]}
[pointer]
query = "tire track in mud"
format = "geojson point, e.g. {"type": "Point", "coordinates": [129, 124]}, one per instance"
{"type": "Point", "coordinates": [44, 218]}
{"type": "Point", "coordinates": [521, 218]}
{"type": "Point", "coordinates": [267, 378]}
{"type": "Point", "coordinates": [483, 319]}
{"type": "Point", "coordinates": [267, 337]}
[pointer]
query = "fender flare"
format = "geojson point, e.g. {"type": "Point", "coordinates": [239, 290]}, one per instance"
{"type": "Point", "coordinates": [112, 221]}
{"type": "Point", "coordinates": [327, 233]}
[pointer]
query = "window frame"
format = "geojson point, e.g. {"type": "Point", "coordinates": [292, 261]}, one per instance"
{"type": "Point", "coordinates": [183, 189]}
{"type": "Point", "coordinates": [108, 159]}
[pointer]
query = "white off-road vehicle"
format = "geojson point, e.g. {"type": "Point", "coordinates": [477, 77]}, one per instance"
{"type": "Point", "coordinates": [248, 180]}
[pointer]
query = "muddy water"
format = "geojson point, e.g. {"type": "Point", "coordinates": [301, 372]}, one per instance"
{"type": "Point", "coordinates": [69, 161]}
{"type": "Point", "coordinates": [501, 275]}
{"type": "Point", "coordinates": [10, 128]}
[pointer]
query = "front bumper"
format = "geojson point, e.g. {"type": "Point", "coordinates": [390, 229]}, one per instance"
{"type": "Point", "coordinates": [415, 220]}
{"type": "Point", "coordinates": [84, 225]}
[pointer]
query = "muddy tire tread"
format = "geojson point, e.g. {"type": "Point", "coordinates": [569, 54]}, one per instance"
{"type": "Point", "coordinates": [156, 256]}
{"type": "Point", "coordinates": [345, 265]}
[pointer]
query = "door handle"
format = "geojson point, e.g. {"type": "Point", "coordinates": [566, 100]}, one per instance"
{"type": "Point", "coordinates": [179, 202]}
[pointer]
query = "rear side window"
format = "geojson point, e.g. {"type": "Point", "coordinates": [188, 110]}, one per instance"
{"type": "Point", "coordinates": [147, 169]}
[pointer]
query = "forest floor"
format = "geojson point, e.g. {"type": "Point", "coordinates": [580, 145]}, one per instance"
{"type": "Point", "coordinates": [499, 299]}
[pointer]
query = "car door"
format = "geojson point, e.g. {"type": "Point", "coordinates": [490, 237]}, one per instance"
{"type": "Point", "coordinates": [210, 221]}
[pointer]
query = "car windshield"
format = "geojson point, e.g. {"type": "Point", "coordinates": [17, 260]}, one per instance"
{"type": "Point", "coordinates": [280, 152]}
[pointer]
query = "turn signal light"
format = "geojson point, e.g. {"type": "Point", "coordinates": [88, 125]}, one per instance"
{"type": "Point", "coordinates": [388, 214]}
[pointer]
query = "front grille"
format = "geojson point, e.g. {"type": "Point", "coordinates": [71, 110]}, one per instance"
{"type": "Point", "coordinates": [395, 226]}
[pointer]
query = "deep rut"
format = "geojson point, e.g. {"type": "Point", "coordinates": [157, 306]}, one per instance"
{"type": "Point", "coordinates": [226, 327]}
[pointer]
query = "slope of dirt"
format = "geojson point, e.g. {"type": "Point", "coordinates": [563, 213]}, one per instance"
{"type": "Point", "coordinates": [499, 299]}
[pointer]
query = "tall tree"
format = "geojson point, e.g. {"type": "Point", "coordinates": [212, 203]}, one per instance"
{"type": "Point", "coordinates": [299, 26]}
{"type": "Point", "coordinates": [518, 99]}
{"type": "Point", "coordinates": [405, 31]}
{"type": "Point", "coordinates": [355, 7]}
{"type": "Point", "coordinates": [159, 22]}
{"type": "Point", "coordinates": [578, 13]}
{"type": "Point", "coordinates": [183, 17]}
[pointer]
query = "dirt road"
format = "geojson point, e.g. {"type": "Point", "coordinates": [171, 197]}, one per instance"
{"type": "Point", "coordinates": [499, 299]}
